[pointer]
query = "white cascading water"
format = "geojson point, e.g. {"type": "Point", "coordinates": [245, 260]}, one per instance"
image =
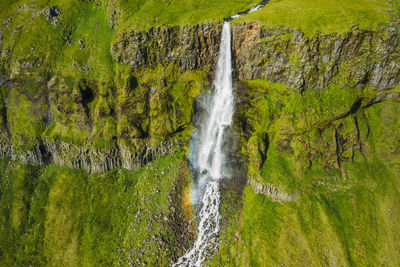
{"type": "Point", "coordinates": [208, 157]}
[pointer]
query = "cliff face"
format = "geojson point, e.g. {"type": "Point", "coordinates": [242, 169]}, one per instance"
{"type": "Point", "coordinates": [318, 128]}
{"type": "Point", "coordinates": [141, 113]}
{"type": "Point", "coordinates": [359, 58]}
{"type": "Point", "coordinates": [148, 102]}
{"type": "Point", "coordinates": [81, 127]}
{"type": "Point", "coordinates": [189, 47]}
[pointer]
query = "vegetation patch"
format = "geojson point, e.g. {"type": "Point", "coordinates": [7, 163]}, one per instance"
{"type": "Point", "coordinates": [58, 216]}
{"type": "Point", "coordinates": [142, 15]}
{"type": "Point", "coordinates": [340, 153]}
{"type": "Point", "coordinates": [324, 17]}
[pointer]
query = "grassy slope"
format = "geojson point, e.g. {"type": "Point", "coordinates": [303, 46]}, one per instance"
{"type": "Point", "coordinates": [142, 14]}
{"type": "Point", "coordinates": [62, 217]}
{"type": "Point", "coordinates": [347, 215]}
{"type": "Point", "coordinates": [312, 16]}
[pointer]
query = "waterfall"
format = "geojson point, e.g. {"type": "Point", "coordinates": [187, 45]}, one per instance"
{"type": "Point", "coordinates": [208, 155]}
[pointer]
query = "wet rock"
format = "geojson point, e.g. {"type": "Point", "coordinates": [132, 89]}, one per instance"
{"type": "Point", "coordinates": [51, 13]}
{"type": "Point", "coordinates": [5, 80]}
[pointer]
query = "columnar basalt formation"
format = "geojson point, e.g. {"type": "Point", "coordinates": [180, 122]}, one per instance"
{"type": "Point", "coordinates": [91, 160]}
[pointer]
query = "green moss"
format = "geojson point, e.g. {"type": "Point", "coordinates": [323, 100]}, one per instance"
{"type": "Point", "coordinates": [58, 216]}
{"type": "Point", "coordinates": [350, 224]}
{"type": "Point", "coordinates": [171, 97]}
{"type": "Point", "coordinates": [340, 156]}
{"type": "Point", "coordinates": [25, 119]}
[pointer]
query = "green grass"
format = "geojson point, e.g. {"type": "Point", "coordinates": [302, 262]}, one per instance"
{"type": "Point", "coordinates": [351, 225]}
{"type": "Point", "coordinates": [21, 123]}
{"type": "Point", "coordinates": [57, 216]}
{"type": "Point", "coordinates": [92, 59]}
{"type": "Point", "coordinates": [142, 14]}
{"type": "Point", "coordinates": [325, 17]}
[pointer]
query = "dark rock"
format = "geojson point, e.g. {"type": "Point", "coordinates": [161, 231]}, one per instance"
{"type": "Point", "coordinates": [91, 160]}
{"type": "Point", "coordinates": [364, 58]}
{"type": "Point", "coordinates": [52, 12]}
{"type": "Point", "coordinates": [4, 80]}
{"type": "Point", "coordinates": [189, 47]}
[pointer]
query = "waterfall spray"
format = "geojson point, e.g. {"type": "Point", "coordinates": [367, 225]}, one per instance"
{"type": "Point", "coordinates": [208, 154]}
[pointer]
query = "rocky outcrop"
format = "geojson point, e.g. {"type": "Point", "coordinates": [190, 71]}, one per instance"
{"type": "Point", "coordinates": [274, 193]}
{"type": "Point", "coordinates": [91, 160]}
{"type": "Point", "coordinates": [358, 58]}
{"type": "Point", "coordinates": [189, 47]}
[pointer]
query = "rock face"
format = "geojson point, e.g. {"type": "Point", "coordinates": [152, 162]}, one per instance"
{"type": "Point", "coordinates": [359, 58]}
{"type": "Point", "coordinates": [272, 192]}
{"type": "Point", "coordinates": [136, 106]}
{"type": "Point", "coordinates": [189, 47]}
{"type": "Point", "coordinates": [90, 160]}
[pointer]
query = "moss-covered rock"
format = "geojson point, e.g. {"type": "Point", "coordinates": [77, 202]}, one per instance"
{"type": "Point", "coordinates": [325, 188]}
{"type": "Point", "coordinates": [358, 58]}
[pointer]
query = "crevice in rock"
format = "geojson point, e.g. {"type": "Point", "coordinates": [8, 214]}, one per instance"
{"type": "Point", "coordinates": [356, 106]}
{"type": "Point", "coordinates": [87, 96]}
{"type": "Point", "coordinates": [358, 135]}
{"type": "Point", "coordinates": [337, 147]}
